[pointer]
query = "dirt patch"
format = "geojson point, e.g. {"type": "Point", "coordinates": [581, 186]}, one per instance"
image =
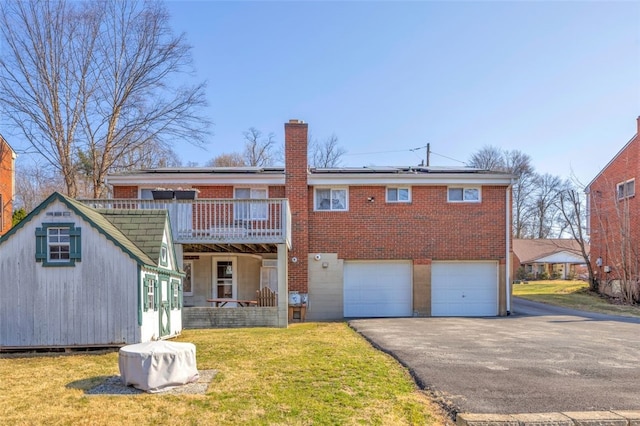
{"type": "Point", "coordinates": [113, 385]}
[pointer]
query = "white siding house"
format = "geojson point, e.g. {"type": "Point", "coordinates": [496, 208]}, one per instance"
{"type": "Point", "coordinates": [72, 276]}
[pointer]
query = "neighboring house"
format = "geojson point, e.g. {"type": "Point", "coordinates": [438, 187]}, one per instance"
{"type": "Point", "coordinates": [7, 184]}
{"type": "Point", "coordinates": [553, 258]}
{"type": "Point", "coordinates": [614, 216]}
{"type": "Point", "coordinates": [73, 276]}
{"type": "Point", "coordinates": [352, 242]}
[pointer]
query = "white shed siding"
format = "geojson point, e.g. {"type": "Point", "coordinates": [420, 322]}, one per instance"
{"type": "Point", "coordinates": [93, 303]}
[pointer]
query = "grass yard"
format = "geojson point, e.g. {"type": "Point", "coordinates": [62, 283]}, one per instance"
{"type": "Point", "coordinates": [311, 373]}
{"type": "Point", "coordinates": [572, 294]}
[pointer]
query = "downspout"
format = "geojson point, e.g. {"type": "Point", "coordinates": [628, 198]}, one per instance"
{"type": "Point", "coordinates": [508, 246]}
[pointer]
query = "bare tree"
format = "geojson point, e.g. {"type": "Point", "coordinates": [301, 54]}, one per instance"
{"type": "Point", "coordinates": [232, 159]}
{"type": "Point", "coordinates": [91, 79]}
{"type": "Point", "coordinates": [612, 207]}
{"type": "Point", "coordinates": [326, 154]}
{"type": "Point", "coordinates": [488, 158]}
{"type": "Point", "coordinates": [572, 206]}
{"type": "Point", "coordinates": [518, 164]}
{"type": "Point", "coordinates": [258, 150]}
{"type": "Point", "coordinates": [34, 184]}
{"type": "Point", "coordinates": [544, 200]}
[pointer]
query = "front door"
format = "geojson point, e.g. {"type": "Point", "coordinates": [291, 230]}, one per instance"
{"type": "Point", "coordinates": [165, 307]}
{"type": "Point", "coordinates": [224, 279]}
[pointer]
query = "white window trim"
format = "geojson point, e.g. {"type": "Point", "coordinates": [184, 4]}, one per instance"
{"type": "Point", "coordinates": [624, 184]}
{"type": "Point", "coordinates": [151, 296]}
{"type": "Point", "coordinates": [332, 188]}
{"type": "Point", "coordinates": [397, 188]}
{"type": "Point", "coordinates": [251, 189]}
{"type": "Point", "coordinates": [190, 263]}
{"type": "Point", "coordinates": [464, 188]}
{"type": "Point", "coordinates": [51, 244]}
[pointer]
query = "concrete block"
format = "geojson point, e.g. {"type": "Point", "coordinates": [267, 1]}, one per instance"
{"type": "Point", "coordinates": [596, 418]}
{"type": "Point", "coordinates": [543, 419]}
{"type": "Point", "coordinates": [633, 417]}
{"type": "Point", "coordinates": [471, 419]}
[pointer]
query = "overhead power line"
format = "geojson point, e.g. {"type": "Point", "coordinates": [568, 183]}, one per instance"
{"type": "Point", "coordinates": [406, 150]}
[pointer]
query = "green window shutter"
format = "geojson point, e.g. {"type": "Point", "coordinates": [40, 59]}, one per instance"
{"type": "Point", "coordinates": [180, 291]}
{"type": "Point", "coordinates": [41, 245]}
{"type": "Point", "coordinates": [75, 243]}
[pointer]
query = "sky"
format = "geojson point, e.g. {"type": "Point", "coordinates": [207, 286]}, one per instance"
{"type": "Point", "coordinates": [559, 81]}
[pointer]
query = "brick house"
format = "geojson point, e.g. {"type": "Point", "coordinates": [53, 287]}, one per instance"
{"type": "Point", "coordinates": [350, 242]}
{"type": "Point", "coordinates": [614, 225]}
{"type": "Point", "coordinates": [7, 184]}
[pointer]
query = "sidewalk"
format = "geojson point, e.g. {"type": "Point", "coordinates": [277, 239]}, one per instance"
{"type": "Point", "coordinates": [571, 418]}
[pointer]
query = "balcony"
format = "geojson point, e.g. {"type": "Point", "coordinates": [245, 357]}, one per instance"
{"type": "Point", "coordinates": [217, 221]}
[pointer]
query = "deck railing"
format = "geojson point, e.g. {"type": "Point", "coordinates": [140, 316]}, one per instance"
{"type": "Point", "coordinates": [217, 220]}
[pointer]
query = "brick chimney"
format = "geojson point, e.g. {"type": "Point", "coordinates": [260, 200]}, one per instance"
{"type": "Point", "coordinates": [297, 191]}
{"type": "Point", "coordinates": [638, 120]}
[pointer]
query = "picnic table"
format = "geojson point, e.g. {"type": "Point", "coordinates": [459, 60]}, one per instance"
{"type": "Point", "coordinates": [218, 303]}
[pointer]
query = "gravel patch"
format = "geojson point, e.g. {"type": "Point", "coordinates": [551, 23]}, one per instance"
{"type": "Point", "coordinates": [113, 385]}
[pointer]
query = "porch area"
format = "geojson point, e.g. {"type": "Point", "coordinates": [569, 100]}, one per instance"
{"type": "Point", "coordinates": [208, 317]}
{"type": "Point", "coordinates": [228, 249]}
{"type": "Point", "coordinates": [257, 222]}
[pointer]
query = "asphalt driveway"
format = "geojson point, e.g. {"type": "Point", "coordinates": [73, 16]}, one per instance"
{"type": "Point", "coordinates": [540, 359]}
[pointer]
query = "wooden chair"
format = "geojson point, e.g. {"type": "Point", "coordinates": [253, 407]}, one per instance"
{"type": "Point", "coordinates": [266, 297]}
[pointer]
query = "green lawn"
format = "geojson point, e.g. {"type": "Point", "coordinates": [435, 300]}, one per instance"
{"type": "Point", "coordinates": [311, 373]}
{"type": "Point", "coordinates": [571, 294]}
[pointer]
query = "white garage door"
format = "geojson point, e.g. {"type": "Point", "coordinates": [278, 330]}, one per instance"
{"type": "Point", "coordinates": [377, 289]}
{"type": "Point", "coordinates": [468, 289]}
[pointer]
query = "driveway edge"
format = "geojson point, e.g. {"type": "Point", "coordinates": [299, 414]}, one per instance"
{"type": "Point", "coordinates": [570, 418]}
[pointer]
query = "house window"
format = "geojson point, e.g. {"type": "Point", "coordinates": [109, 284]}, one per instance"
{"type": "Point", "coordinates": [626, 189]}
{"type": "Point", "coordinates": [463, 195]}
{"type": "Point", "coordinates": [250, 210]}
{"type": "Point", "coordinates": [186, 281]}
{"type": "Point", "coordinates": [398, 195]}
{"type": "Point", "coordinates": [331, 199]}
{"type": "Point", "coordinates": [58, 244]}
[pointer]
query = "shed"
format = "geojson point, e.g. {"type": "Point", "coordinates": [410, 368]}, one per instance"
{"type": "Point", "coordinates": [73, 276]}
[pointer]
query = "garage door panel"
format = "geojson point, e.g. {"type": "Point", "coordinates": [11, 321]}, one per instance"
{"type": "Point", "coordinates": [464, 289]}
{"type": "Point", "coordinates": [373, 289]}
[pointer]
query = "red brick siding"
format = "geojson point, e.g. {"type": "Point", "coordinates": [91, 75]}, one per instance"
{"type": "Point", "coordinates": [427, 228]}
{"type": "Point", "coordinates": [297, 193]}
{"type": "Point", "coordinates": [277, 192]}
{"type": "Point", "coordinates": [610, 218]}
{"type": "Point", "coordinates": [6, 186]}
{"type": "Point", "coordinates": [220, 191]}
{"type": "Point", "coordinates": [125, 192]}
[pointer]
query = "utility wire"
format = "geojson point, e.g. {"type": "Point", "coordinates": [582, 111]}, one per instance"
{"type": "Point", "coordinates": [406, 150]}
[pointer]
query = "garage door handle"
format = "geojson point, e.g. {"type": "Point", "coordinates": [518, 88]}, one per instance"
{"type": "Point", "coordinates": [463, 295]}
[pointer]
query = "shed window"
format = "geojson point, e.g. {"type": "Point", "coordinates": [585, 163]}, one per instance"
{"type": "Point", "coordinates": [175, 294]}
{"type": "Point", "coordinates": [58, 244]}
{"type": "Point", "coordinates": [626, 189]}
{"type": "Point", "coordinates": [186, 281]}
{"type": "Point", "coordinates": [149, 292]}
{"type": "Point", "coordinates": [331, 199]}
{"type": "Point", "coordinates": [463, 195]}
